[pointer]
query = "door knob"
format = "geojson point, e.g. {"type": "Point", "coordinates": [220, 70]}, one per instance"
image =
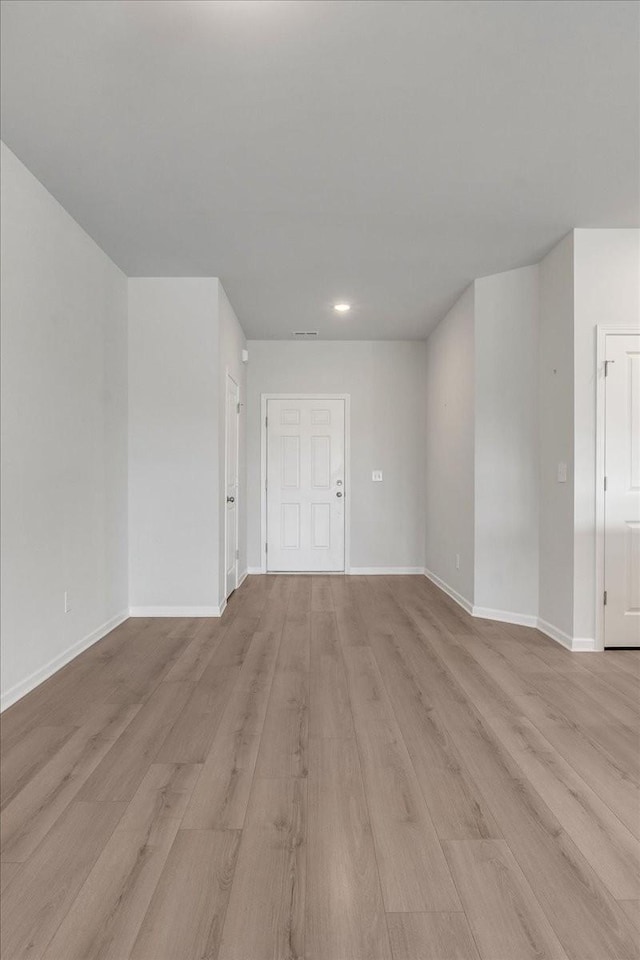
{"type": "Point", "coordinates": [231, 499]}
{"type": "Point", "coordinates": [339, 493]}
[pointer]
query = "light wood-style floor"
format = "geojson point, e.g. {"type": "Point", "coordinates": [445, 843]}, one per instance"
{"type": "Point", "coordinates": [337, 769]}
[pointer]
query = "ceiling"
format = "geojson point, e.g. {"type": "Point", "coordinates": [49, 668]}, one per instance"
{"type": "Point", "coordinates": [383, 153]}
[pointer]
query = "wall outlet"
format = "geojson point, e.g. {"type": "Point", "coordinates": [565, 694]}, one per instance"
{"type": "Point", "coordinates": [457, 561]}
{"type": "Point", "coordinates": [376, 476]}
{"type": "Point", "coordinates": [67, 602]}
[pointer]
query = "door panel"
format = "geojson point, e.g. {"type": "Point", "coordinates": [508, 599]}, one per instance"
{"type": "Point", "coordinates": [305, 484]}
{"type": "Point", "coordinates": [622, 496]}
{"type": "Point", "coordinates": [231, 492]}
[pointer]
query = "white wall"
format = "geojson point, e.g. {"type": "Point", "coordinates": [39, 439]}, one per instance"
{"type": "Point", "coordinates": [607, 292]}
{"type": "Point", "coordinates": [555, 392]}
{"type": "Point", "coordinates": [173, 443]}
{"type": "Point", "coordinates": [231, 344]}
{"type": "Point", "coordinates": [506, 442]}
{"type": "Point", "coordinates": [386, 383]}
{"type": "Point", "coordinates": [64, 433]}
{"type": "Point", "coordinates": [449, 481]}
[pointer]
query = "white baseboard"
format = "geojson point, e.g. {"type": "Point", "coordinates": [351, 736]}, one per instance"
{"type": "Point", "coordinates": [555, 633]}
{"type": "Point", "coordinates": [505, 616]}
{"type": "Point", "coordinates": [178, 611]}
{"type": "Point", "coordinates": [459, 599]}
{"type": "Point", "coordinates": [20, 689]}
{"type": "Point", "coordinates": [358, 571]}
{"type": "Point", "coordinates": [575, 644]}
{"type": "Point", "coordinates": [242, 578]}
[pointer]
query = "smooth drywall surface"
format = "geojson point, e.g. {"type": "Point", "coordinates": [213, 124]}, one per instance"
{"type": "Point", "coordinates": [386, 382]}
{"type": "Point", "coordinates": [231, 344]}
{"type": "Point", "coordinates": [449, 481]}
{"type": "Point", "coordinates": [64, 433]}
{"type": "Point", "coordinates": [607, 293]}
{"type": "Point", "coordinates": [173, 443]}
{"type": "Point", "coordinates": [555, 380]}
{"type": "Point", "coordinates": [506, 442]}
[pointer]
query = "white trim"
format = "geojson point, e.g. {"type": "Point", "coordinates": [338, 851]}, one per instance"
{"type": "Point", "coordinates": [263, 467]}
{"type": "Point", "coordinates": [459, 599]}
{"type": "Point", "coordinates": [384, 571]}
{"type": "Point", "coordinates": [253, 571]}
{"type": "Point", "coordinates": [603, 331]}
{"type": "Point", "coordinates": [226, 474]}
{"type": "Point", "coordinates": [555, 633]}
{"type": "Point", "coordinates": [584, 645]}
{"type": "Point", "coordinates": [178, 611]}
{"type": "Point", "coordinates": [505, 616]}
{"type": "Point", "coordinates": [20, 689]}
{"type": "Point", "coordinates": [242, 578]}
{"type": "Point", "coordinates": [575, 644]}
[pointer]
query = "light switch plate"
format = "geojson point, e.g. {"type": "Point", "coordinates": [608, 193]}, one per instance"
{"type": "Point", "coordinates": [376, 476]}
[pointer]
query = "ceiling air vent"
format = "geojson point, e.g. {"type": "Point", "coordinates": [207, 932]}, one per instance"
{"type": "Point", "coordinates": [304, 334]}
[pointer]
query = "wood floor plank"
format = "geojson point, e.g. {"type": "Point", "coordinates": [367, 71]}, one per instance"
{"type": "Point", "coordinates": [609, 780]}
{"type": "Point", "coordinates": [632, 910]}
{"type": "Point", "coordinates": [219, 801]}
{"type": "Point", "coordinates": [329, 709]}
{"type": "Point", "coordinates": [285, 736]}
{"type": "Point", "coordinates": [344, 908]}
{"type": "Point", "coordinates": [186, 914]}
{"type": "Point", "coordinates": [106, 916]}
{"type": "Point", "coordinates": [28, 818]}
{"type": "Point", "coordinates": [486, 738]}
{"type": "Point", "coordinates": [26, 758]}
{"type": "Point", "coordinates": [321, 597]}
{"type": "Point", "coordinates": [119, 774]}
{"type": "Point", "coordinates": [193, 660]}
{"type": "Point", "coordinates": [504, 915]}
{"type": "Point", "coordinates": [351, 625]}
{"type": "Point", "coordinates": [413, 871]}
{"type": "Point", "coordinates": [265, 915]}
{"type": "Point", "coordinates": [584, 916]}
{"type": "Point", "coordinates": [192, 734]}
{"type": "Point", "coordinates": [40, 895]}
{"type": "Point", "coordinates": [431, 936]}
{"type": "Point", "coordinates": [8, 871]}
{"type": "Point", "coordinates": [455, 803]}
{"type": "Point", "coordinates": [611, 849]}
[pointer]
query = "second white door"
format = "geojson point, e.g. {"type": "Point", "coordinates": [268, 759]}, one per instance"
{"type": "Point", "coordinates": [231, 487]}
{"type": "Point", "coordinates": [622, 496]}
{"type": "Point", "coordinates": [305, 484]}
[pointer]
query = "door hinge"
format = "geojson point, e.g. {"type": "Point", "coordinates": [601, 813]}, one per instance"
{"type": "Point", "coordinates": [266, 548]}
{"type": "Point", "coordinates": [266, 421]}
{"type": "Point", "coordinates": [606, 367]}
{"type": "Point", "coordinates": [605, 484]}
{"type": "Point", "coordinates": [605, 598]}
{"type": "Point", "coordinates": [237, 408]}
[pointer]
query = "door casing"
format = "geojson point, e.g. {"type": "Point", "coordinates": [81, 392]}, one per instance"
{"type": "Point", "coordinates": [347, 469]}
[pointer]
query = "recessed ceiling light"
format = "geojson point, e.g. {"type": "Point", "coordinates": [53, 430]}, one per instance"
{"type": "Point", "coordinates": [342, 307]}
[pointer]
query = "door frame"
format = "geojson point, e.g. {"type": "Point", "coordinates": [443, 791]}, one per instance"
{"type": "Point", "coordinates": [264, 397]}
{"type": "Point", "coordinates": [227, 377]}
{"type": "Point", "coordinates": [603, 331]}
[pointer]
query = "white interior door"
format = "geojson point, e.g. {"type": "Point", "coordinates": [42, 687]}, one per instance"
{"type": "Point", "coordinates": [231, 491]}
{"type": "Point", "coordinates": [305, 484]}
{"type": "Point", "coordinates": [622, 496]}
